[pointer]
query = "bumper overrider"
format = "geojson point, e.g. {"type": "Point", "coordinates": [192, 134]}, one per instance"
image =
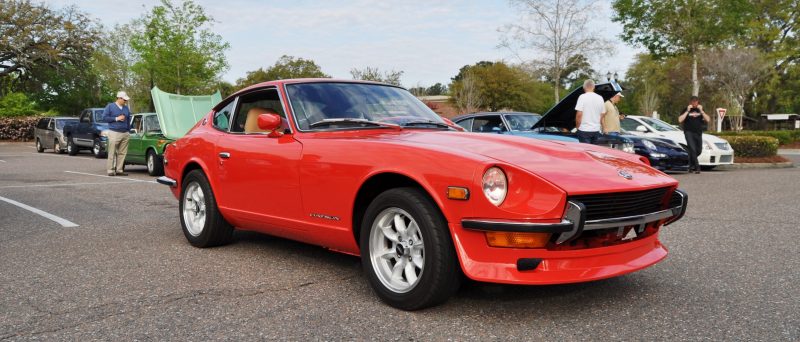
{"type": "Point", "coordinates": [167, 181]}
{"type": "Point", "coordinates": [566, 264]}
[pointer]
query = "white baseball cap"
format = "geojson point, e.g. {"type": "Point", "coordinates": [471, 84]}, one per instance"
{"type": "Point", "coordinates": [123, 95]}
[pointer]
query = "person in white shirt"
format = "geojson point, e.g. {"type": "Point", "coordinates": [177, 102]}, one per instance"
{"type": "Point", "coordinates": [590, 111]}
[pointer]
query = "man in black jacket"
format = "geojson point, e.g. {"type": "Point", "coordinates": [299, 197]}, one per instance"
{"type": "Point", "coordinates": [693, 120]}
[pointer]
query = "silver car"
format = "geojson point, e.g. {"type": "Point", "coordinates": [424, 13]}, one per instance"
{"type": "Point", "coordinates": [49, 133]}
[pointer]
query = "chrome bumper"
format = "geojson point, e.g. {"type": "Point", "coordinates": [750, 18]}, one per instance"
{"type": "Point", "coordinates": [167, 181]}
{"type": "Point", "coordinates": [574, 221]}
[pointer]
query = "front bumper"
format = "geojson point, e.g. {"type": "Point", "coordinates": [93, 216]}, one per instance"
{"type": "Point", "coordinates": [167, 181]}
{"type": "Point", "coordinates": [545, 266]}
{"type": "Point", "coordinates": [715, 157]}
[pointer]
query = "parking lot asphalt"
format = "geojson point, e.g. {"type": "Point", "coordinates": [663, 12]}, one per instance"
{"type": "Point", "coordinates": [126, 272]}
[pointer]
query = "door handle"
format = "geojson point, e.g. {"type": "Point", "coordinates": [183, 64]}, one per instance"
{"type": "Point", "coordinates": [224, 155]}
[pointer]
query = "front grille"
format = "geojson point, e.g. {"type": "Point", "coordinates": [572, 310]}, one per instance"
{"type": "Point", "coordinates": [621, 204]}
{"type": "Point", "coordinates": [725, 159]}
{"type": "Point", "coordinates": [722, 145]}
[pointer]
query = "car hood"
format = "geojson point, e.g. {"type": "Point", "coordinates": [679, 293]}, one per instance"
{"type": "Point", "coordinates": [544, 136]}
{"type": "Point", "coordinates": [179, 113]}
{"type": "Point", "coordinates": [562, 115]}
{"type": "Point", "coordinates": [576, 168]}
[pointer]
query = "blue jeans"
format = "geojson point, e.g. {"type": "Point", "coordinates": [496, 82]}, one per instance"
{"type": "Point", "coordinates": [613, 134]}
{"type": "Point", "coordinates": [588, 137]}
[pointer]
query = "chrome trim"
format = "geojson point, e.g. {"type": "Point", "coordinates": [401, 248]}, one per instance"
{"type": "Point", "coordinates": [575, 213]}
{"type": "Point", "coordinates": [516, 226]}
{"type": "Point", "coordinates": [684, 205]}
{"type": "Point", "coordinates": [637, 220]}
{"type": "Point", "coordinates": [224, 155]}
{"type": "Point", "coordinates": [167, 181]}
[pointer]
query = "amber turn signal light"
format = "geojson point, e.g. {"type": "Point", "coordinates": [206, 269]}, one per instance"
{"type": "Point", "coordinates": [457, 193]}
{"type": "Point", "coordinates": [517, 240]}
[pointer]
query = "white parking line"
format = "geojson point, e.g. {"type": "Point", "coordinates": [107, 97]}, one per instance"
{"type": "Point", "coordinates": [57, 185]}
{"type": "Point", "coordinates": [115, 177]}
{"type": "Point", "coordinates": [63, 222]}
{"type": "Point", "coordinates": [2, 161]}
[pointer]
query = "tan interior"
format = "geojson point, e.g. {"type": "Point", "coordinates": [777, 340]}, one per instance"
{"type": "Point", "coordinates": [251, 123]}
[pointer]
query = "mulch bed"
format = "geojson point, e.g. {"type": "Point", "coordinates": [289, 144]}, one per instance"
{"type": "Point", "coordinates": [794, 145]}
{"type": "Point", "coordinates": [773, 159]}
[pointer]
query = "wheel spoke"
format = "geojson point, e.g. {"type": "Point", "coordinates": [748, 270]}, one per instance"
{"type": "Point", "coordinates": [400, 225]}
{"type": "Point", "coordinates": [411, 273]}
{"type": "Point", "coordinates": [412, 231]}
{"type": "Point", "coordinates": [389, 233]}
{"type": "Point", "coordinates": [387, 254]}
{"type": "Point", "coordinates": [417, 261]}
{"type": "Point", "coordinates": [397, 271]}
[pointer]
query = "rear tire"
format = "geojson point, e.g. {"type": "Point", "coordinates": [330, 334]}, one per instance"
{"type": "Point", "coordinates": [71, 148]}
{"type": "Point", "coordinates": [201, 221]}
{"type": "Point", "coordinates": [155, 164]}
{"type": "Point", "coordinates": [402, 232]}
{"type": "Point", "coordinates": [39, 147]}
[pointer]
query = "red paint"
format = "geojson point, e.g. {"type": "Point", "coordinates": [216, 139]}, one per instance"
{"type": "Point", "coordinates": [275, 185]}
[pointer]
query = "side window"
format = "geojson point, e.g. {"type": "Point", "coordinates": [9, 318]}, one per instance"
{"type": "Point", "coordinates": [85, 116]}
{"type": "Point", "coordinates": [42, 124]}
{"type": "Point", "coordinates": [467, 124]}
{"type": "Point", "coordinates": [151, 123]}
{"type": "Point", "coordinates": [51, 124]}
{"type": "Point", "coordinates": [136, 123]}
{"type": "Point", "coordinates": [222, 117]}
{"type": "Point", "coordinates": [629, 124]}
{"type": "Point", "coordinates": [488, 124]}
{"type": "Point", "coordinates": [252, 105]}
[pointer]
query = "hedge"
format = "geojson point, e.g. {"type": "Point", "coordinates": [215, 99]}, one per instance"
{"type": "Point", "coordinates": [18, 128]}
{"type": "Point", "coordinates": [784, 137]}
{"type": "Point", "coordinates": [753, 146]}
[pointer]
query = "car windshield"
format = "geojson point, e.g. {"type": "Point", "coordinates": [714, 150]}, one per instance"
{"type": "Point", "coordinates": [61, 122]}
{"type": "Point", "coordinates": [358, 105]}
{"type": "Point", "coordinates": [522, 122]}
{"type": "Point", "coordinates": [659, 125]}
{"type": "Point", "coordinates": [98, 116]}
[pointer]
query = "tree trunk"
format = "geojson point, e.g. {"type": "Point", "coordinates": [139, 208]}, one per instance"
{"type": "Point", "coordinates": [556, 86]}
{"type": "Point", "coordinates": [695, 82]}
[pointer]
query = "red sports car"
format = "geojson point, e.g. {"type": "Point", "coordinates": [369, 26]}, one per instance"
{"type": "Point", "coordinates": [367, 169]}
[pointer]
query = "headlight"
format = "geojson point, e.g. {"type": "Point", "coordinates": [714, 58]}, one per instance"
{"type": "Point", "coordinates": [649, 144]}
{"type": "Point", "coordinates": [707, 145]}
{"type": "Point", "coordinates": [628, 147]}
{"type": "Point", "coordinates": [495, 185]}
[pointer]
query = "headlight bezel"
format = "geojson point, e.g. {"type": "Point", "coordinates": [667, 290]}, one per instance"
{"type": "Point", "coordinates": [494, 185]}
{"type": "Point", "coordinates": [650, 145]}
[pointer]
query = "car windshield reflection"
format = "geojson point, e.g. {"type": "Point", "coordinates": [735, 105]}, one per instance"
{"type": "Point", "coordinates": [659, 125]}
{"type": "Point", "coordinates": [522, 122]}
{"type": "Point", "coordinates": [354, 105]}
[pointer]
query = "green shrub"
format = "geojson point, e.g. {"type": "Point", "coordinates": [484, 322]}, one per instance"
{"type": "Point", "coordinates": [18, 128]}
{"type": "Point", "coordinates": [16, 104]}
{"type": "Point", "coordinates": [784, 137]}
{"type": "Point", "coordinates": [753, 146]}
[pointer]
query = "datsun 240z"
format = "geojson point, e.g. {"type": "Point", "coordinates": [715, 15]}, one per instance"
{"type": "Point", "coordinates": [367, 169]}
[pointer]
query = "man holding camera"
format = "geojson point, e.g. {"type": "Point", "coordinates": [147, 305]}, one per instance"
{"type": "Point", "coordinates": [118, 117]}
{"type": "Point", "coordinates": [693, 120]}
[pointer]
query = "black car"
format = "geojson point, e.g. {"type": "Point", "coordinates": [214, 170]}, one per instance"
{"type": "Point", "coordinates": [663, 154]}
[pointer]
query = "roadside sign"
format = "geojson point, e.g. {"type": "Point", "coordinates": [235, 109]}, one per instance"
{"type": "Point", "coordinates": [721, 115]}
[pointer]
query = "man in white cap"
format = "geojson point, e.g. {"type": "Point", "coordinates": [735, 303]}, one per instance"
{"type": "Point", "coordinates": [589, 114]}
{"type": "Point", "coordinates": [612, 117]}
{"type": "Point", "coordinates": [118, 116]}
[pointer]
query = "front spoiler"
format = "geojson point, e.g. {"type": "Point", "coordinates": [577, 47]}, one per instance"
{"type": "Point", "coordinates": [574, 221]}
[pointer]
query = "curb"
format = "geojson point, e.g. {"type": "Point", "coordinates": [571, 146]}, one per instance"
{"type": "Point", "coordinates": [755, 166]}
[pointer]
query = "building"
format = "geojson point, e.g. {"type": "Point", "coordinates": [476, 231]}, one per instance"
{"type": "Point", "coordinates": [780, 121]}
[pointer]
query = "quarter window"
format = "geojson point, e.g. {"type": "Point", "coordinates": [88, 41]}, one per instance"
{"type": "Point", "coordinates": [222, 118]}
{"type": "Point", "coordinates": [467, 124]}
{"type": "Point", "coordinates": [488, 124]}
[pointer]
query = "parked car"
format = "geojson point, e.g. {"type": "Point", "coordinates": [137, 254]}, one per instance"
{"type": "Point", "coordinates": [87, 133]}
{"type": "Point", "coordinates": [560, 120]}
{"type": "Point", "coordinates": [367, 169]}
{"type": "Point", "coordinates": [716, 151]}
{"type": "Point", "coordinates": [149, 137]}
{"type": "Point", "coordinates": [662, 155]}
{"type": "Point", "coordinates": [513, 123]}
{"type": "Point", "coordinates": [49, 133]}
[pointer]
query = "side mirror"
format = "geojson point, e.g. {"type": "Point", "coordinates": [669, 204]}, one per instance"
{"type": "Point", "coordinates": [132, 131]}
{"type": "Point", "coordinates": [270, 122]}
{"type": "Point", "coordinates": [641, 128]}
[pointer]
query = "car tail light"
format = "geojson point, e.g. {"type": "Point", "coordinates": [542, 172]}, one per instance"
{"type": "Point", "coordinates": [517, 240]}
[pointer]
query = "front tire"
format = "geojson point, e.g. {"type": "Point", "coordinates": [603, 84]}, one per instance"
{"type": "Point", "coordinates": [202, 223]}
{"type": "Point", "coordinates": [155, 164]}
{"type": "Point", "coordinates": [57, 147]}
{"type": "Point", "coordinates": [406, 250]}
{"type": "Point", "coordinates": [97, 149]}
{"type": "Point", "coordinates": [39, 147]}
{"type": "Point", "coordinates": [71, 148]}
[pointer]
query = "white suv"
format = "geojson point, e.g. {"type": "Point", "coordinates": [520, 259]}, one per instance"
{"type": "Point", "coordinates": [716, 151]}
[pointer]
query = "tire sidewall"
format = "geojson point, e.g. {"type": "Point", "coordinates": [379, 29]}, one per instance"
{"type": "Point", "coordinates": [57, 146]}
{"type": "Point", "coordinates": [427, 219]}
{"type": "Point", "coordinates": [39, 147]}
{"type": "Point", "coordinates": [71, 148]}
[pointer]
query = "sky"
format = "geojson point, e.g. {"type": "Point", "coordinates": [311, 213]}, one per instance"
{"type": "Point", "coordinates": [428, 40]}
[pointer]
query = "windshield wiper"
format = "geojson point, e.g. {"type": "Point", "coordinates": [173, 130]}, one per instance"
{"type": "Point", "coordinates": [427, 123]}
{"type": "Point", "coordinates": [354, 122]}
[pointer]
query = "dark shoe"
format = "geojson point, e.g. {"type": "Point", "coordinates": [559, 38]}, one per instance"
{"type": "Point", "coordinates": [111, 174]}
{"type": "Point", "coordinates": [121, 174]}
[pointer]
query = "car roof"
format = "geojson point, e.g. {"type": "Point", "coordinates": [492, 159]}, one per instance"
{"type": "Point", "coordinates": [306, 80]}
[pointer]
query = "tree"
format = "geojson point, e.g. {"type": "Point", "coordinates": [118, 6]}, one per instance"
{"type": "Point", "coordinates": [736, 72]}
{"type": "Point", "coordinates": [178, 51]}
{"type": "Point", "coordinates": [501, 86]}
{"type": "Point", "coordinates": [436, 89]}
{"type": "Point", "coordinates": [466, 95]}
{"type": "Point", "coordinates": [681, 27]}
{"type": "Point", "coordinates": [285, 68]}
{"type": "Point", "coordinates": [113, 63]}
{"type": "Point", "coordinates": [374, 74]}
{"type": "Point", "coordinates": [33, 36]}
{"type": "Point", "coordinates": [647, 80]}
{"type": "Point", "coordinates": [557, 31]}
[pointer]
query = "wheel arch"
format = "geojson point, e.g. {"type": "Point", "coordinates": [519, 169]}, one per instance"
{"type": "Point", "coordinates": [377, 184]}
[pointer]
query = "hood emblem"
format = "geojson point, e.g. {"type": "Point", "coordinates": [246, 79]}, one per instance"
{"type": "Point", "coordinates": [624, 174]}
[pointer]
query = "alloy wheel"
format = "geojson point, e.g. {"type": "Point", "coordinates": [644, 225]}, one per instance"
{"type": "Point", "coordinates": [194, 209]}
{"type": "Point", "coordinates": [396, 250]}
